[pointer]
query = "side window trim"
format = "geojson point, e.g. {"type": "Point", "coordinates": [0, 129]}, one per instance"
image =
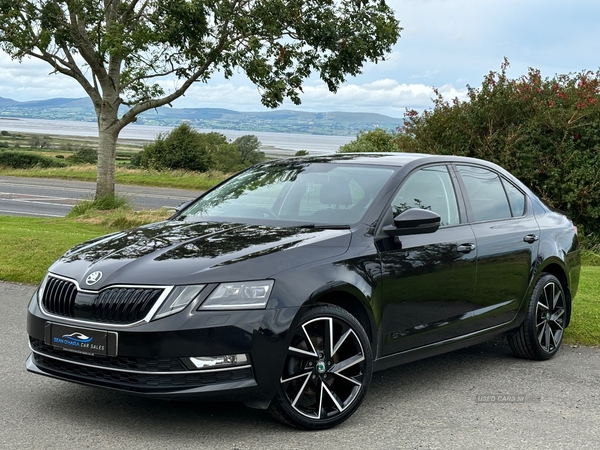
{"type": "Point", "coordinates": [458, 196]}
{"type": "Point", "coordinates": [467, 201]}
{"type": "Point", "coordinates": [505, 180]}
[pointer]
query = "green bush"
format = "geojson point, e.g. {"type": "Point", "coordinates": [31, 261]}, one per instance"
{"type": "Point", "coordinates": [84, 155]}
{"type": "Point", "coordinates": [546, 131]}
{"type": "Point", "coordinates": [22, 160]}
{"type": "Point", "coordinates": [182, 148]}
{"type": "Point", "coordinates": [377, 140]}
{"type": "Point", "coordinates": [185, 148]}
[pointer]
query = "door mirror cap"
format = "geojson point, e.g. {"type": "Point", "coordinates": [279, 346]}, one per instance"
{"type": "Point", "coordinates": [414, 221]}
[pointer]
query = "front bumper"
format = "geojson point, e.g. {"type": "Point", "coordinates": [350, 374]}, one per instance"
{"type": "Point", "coordinates": [152, 358]}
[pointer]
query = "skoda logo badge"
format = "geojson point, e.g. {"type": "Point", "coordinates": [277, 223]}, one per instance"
{"type": "Point", "coordinates": [93, 278]}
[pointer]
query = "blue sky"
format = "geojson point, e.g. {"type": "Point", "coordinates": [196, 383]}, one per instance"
{"type": "Point", "coordinates": [445, 44]}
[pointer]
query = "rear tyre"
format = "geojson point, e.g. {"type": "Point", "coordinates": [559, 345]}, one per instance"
{"type": "Point", "coordinates": [541, 333]}
{"type": "Point", "coordinates": [327, 370]}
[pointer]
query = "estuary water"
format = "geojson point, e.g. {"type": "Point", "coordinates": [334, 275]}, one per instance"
{"type": "Point", "coordinates": [274, 143]}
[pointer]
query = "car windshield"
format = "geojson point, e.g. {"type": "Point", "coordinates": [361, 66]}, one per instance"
{"type": "Point", "coordinates": [293, 193]}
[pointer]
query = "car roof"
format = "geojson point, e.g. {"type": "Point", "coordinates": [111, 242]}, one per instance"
{"type": "Point", "coordinates": [391, 159]}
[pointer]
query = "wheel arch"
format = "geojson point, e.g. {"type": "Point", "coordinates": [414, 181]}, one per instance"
{"type": "Point", "coordinates": [559, 271]}
{"type": "Point", "coordinates": [352, 300]}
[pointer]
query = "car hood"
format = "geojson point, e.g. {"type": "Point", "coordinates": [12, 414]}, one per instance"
{"type": "Point", "coordinates": [172, 252]}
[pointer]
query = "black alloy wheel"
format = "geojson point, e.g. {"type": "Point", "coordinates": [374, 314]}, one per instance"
{"type": "Point", "coordinates": [327, 370]}
{"type": "Point", "coordinates": [541, 333]}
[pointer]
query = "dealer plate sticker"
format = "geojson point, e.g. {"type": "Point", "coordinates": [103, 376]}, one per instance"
{"type": "Point", "coordinates": [81, 340]}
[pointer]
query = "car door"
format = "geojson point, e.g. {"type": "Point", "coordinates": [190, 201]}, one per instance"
{"type": "Point", "coordinates": [428, 280]}
{"type": "Point", "coordinates": [506, 235]}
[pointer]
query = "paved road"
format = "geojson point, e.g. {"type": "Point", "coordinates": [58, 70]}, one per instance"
{"type": "Point", "coordinates": [54, 198]}
{"type": "Point", "coordinates": [428, 404]}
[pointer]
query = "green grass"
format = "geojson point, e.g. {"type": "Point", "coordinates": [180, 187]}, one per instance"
{"type": "Point", "coordinates": [173, 179]}
{"type": "Point", "coordinates": [584, 328]}
{"type": "Point", "coordinates": [28, 246]}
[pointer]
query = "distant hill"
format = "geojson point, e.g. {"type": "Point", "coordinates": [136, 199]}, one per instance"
{"type": "Point", "coordinates": [282, 121]}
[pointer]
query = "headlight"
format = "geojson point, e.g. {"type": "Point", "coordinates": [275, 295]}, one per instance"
{"type": "Point", "coordinates": [244, 295]}
{"type": "Point", "coordinates": [179, 298]}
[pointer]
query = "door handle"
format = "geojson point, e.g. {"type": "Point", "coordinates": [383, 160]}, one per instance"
{"type": "Point", "coordinates": [530, 238]}
{"type": "Point", "coordinates": [465, 248]}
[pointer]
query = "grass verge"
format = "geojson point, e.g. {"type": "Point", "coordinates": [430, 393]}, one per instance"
{"type": "Point", "coordinates": [584, 328]}
{"type": "Point", "coordinates": [139, 177]}
{"type": "Point", "coordinates": [28, 246]}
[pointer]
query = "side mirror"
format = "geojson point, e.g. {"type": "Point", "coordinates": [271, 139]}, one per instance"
{"type": "Point", "coordinates": [414, 221]}
{"type": "Point", "coordinates": [183, 205]}
{"type": "Point", "coordinates": [179, 208]}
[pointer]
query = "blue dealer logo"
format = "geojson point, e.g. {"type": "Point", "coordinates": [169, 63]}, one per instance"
{"type": "Point", "coordinates": [74, 340]}
{"type": "Point", "coordinates": [77, 337]}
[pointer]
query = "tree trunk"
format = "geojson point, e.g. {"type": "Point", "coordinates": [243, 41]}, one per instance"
{"type": "Point", "coordinates": [108, 133]}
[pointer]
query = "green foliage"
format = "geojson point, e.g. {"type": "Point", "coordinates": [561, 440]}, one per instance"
{"type": "Point", "coordinates": [84, 155]}
{"type": "Point", "coordinates": [376, 140]}
{"type": "Point", "coordinates": [182, 148]}
{"type": "Point", "coordinates": [248, 147]}
{"type": "Point", "coordinates": [187, 149]}
{"type": "Point", "coordinates": [301, 153]}
{"type": "Point", "coordinates": [22, 160]}
{"type": "Point", "coordinates": [225, 157]}
{"type": "Point", "coordinates": [590, 258]}
{"type": "Point", "coordinates": [4, 133]}
{"type": "Point", "coordinates": [546, 131]}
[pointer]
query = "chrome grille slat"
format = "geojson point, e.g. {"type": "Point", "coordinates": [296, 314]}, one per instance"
{"type": "Point", "coordinates": [59, 297]}
{"type": "Point", "coordinates": [115, 305]}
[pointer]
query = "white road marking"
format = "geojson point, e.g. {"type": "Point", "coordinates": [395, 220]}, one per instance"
{"type": "Point", "coordinates": [29, 213]}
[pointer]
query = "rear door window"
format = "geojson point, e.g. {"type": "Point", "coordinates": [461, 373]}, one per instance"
{"type": "Point", "coordinates": [486, 194]}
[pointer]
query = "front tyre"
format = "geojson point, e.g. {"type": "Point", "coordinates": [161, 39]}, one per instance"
{"type": "Point", "coordinates": [541, 333]}
{"type": "Point", "coordinates": [327, 370]}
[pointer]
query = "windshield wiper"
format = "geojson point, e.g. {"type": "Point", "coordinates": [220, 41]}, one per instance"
{"type": "Point", "coordinates": [314, 226]}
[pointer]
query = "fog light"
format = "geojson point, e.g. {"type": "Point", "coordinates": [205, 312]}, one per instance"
{"type": "Point", "coordinates": [221, 361]}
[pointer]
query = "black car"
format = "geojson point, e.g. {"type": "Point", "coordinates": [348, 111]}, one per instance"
{"type": "Point", "coordinates": [287, 285]}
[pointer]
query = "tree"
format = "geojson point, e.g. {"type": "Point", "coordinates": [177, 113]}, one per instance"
{"type": "Point", "coordinates": [123, 53]}
{"type": "Point", "coordinates": [249, 148]}
{"type": "Point", "coordinates": [376, 140]}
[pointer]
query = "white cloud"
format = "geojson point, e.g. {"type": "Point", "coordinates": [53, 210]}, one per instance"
{"type": "Point", "coordinates": [385, 96]}
{"type": "Point", "coordinates": [445, 43]}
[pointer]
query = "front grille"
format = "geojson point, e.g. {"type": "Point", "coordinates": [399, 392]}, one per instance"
{"type": "Point", "coordinates": [117, 305]}
{"type": "Point", "coordinates": [124, 305]}
{"type": "Point", "coordinates": [138, 381]}
{"type": "Point", "coordinates": [137, 364]}
{"type": "Point", "coordinates": [59, 297]}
